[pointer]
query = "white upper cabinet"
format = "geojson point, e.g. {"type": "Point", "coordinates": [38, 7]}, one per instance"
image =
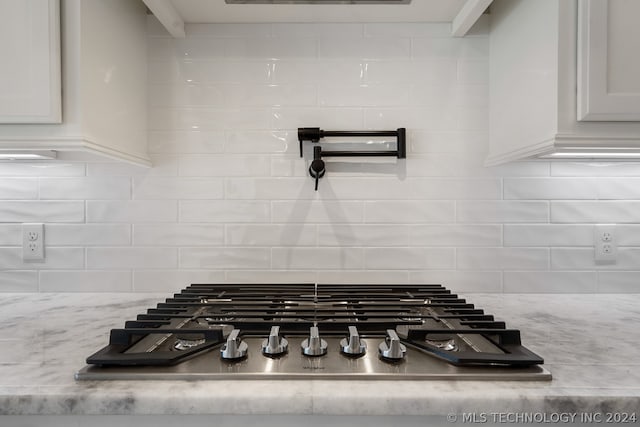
{"type": "Point", "coordinates": [104, 102]}
{"type": "Point", "coordinates": [609, 60]}
{"type": "Point", "coordinates": [538, 109]}
{"type": "Point", "coordinates": [30, 55]}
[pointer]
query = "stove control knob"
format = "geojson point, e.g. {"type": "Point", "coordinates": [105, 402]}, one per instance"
{"type": "Point", "coordinates": [353, 346]}
{"type": "Point", "coordinates": [391, 349]}
{"type": "Point", "coordinates": [314, 345]}
{"type": "Point", "coordinates": [235, 348]}
{"type": "Point", "coordinates": [275, 345]}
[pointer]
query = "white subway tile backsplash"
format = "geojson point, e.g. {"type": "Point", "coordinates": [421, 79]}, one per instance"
{"type": "Point", "coordinates": [618, 188]}
{"type": "Point", "coordinates": [224, 211]}
{"type": "Point", "coordinates": [19, 281]}
{"type": "Point", "coordinates": [163, 165]}
{"type": "Point", "coordinates": [132, 211]}
{"type": "Point", "coordinates": [618, 281]}
{"type": "Point", "coordinates": [548, 235]}
{"type": "Point", "coordinates": [85, 188]}
{"type": "Point", "coordinates": [18, 188]}
{"type": "Point", "coordinates": [432, 71]}
{"type": "Point", "coordinates": [55, 258]}
{"type": "Point", "coordinates": [270, 235]}
{"type": "Point", "coordinates": [224, 165]}
{"type": "Point", "coordinates": [456, 235]}
{"type": "Point", "coordinates": [186, 142]}
{"type": "Point", "coordinates": [85, 281]}
{"type": "Point", "coordinates": [314, 30]}
{"type": "Point", "coordinates": [225, 258]}
{"type": "Point", "coordinates": [407, 30]}
{"type": "Point", "coordinates": [583, 259]}
{"type": "Point", "coordinates": [345, 71]}
{"type": "Point", "coordinates": [502, 211]}
{"type": "Point", "coordinates": [252, 142]}
{"type": "Point", "coordinates": [54, 168]}
{"type": "Point", "coordinates": [10, 235]}
{"type": "Point", "coordinates": [472, 71]}
{"type": "Point", "coordinates": [550, 188]}
{"type": "Point", "coordinates": [270, 188]}
{"type": "Point", "coordinates": [317, 258]}
{"type": "Point", "coordinates": [362, 276]}
{"type": "Point", "coordinates": [363, 235]}
{"type": "Point", "coordinates": [503, 258]}
{"type": "Point", "coordinates": [130, 258]}
{"type": "Point", "coordinates": [87, 234]}
{"type": "Point", "coordinates": [317, 211]}
{"type": "Point", "coordinates": [592, 169]}
{"type": "Point", "coordinates": [365, 48]}
{"type": "Point", "coordinates": [409, 258]}
{"type": "Point", "coordinates": [39, 211]}
{"type": "Point", "coordinates": [178, 235]}
{"type": "Point", "coordinates": [451, 47]}
{"type": "Point", "coordinates": [409, 212]}
{"type": "Point", "coordinates": [550, 282]}
{"type": "Point", "coordinates": [595, 211]}
{"type": "Point", "coordinates": [285, 118]}
{"type": "Point", "coordinates": [228, 199]}
{"type": "Point", "coordinates": [208, 118]}
{"type": "Point", "coordinates": [149, 188]}
{"type": "Point", "coordinates": [228, 30]}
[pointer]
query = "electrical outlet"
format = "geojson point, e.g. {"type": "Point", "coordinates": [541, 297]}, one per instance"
{"type": "Point", "coordinates": [604, 243]}
{"type": "Point", "coordinates": [33, 242]}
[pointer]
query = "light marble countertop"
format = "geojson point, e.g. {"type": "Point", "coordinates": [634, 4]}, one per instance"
{"type": "Point", "coordinates": [589, 342]}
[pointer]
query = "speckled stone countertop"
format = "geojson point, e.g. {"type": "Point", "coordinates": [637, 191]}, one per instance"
{"type": "Point", "coordinates": [590, 344]}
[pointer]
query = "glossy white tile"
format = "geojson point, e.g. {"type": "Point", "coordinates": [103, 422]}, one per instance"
{"type": "Point", "coordinates": [132, 211]}
{"type": "Point", "coordinates": [178, 235]}
{"type": "Point", "coordinates": [130, 258]}
{"type": "Point", "coordinates": [363, 235]}
{"type": "Point", "coordinates": [224, 165]}
{"type": "Point", "coordinates": [317, 258]}
{"type": "Point", "coordinates": [545, 282]}
{"type": "Point", "coordinates": [150, 188]}
{"type": "Point", "coordinates": [225, 258]}
{"type": "Point", "coordinates": [88, 234]}
{"type": "Point", "coordinates": [41, 211]}
{"type": "Point", "coordinates": [317, 211]}
{"type": "Point", "coordinates": [270, 235]}
{"type": "Point", "coordinates": [409, 212]}
{"type": "Point", "coordinates": [502, 258]}
{"type": "Point", "coordinates": [55, 258]}
{"type": "Point", "coordinates": [548, 235]}
{"type": "Point", "coordinates": [86, 188]}
{"type": "Point", "coordinates": [595, 211]}
{"type": "Point", "coordinates": [18, 188]}
{"type": "Point", "coordinates": [456, 235]}
{"type": "Point", "coordinates": [502, 211]}
{"type": "Point", "coordinates": [224, 211]}
{"type": "Point", "coordinates": [409, 258]}
{"type": "Point", "coordinates": [19, 281]}
{"type": "Point", "coordinates": [85, 281]}
{"type": "Point", "coordinates": [173, 280]}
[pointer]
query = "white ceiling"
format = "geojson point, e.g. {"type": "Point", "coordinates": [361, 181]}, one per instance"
{"type": "Point", "coordinates": [217, 11]}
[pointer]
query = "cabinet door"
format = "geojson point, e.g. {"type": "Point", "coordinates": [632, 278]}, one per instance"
{"type": "Point", "coordinates": [30, 57]}
{"type": "Point", "coordinates": [609, 60]}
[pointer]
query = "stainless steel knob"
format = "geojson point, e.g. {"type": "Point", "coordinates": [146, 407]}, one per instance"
{"type": "Point", "coordinates": [275, 345]}
{"type": "Point", "coordinates": [235, 348]}
{"type": "Point", "coordinates": [353, 346]}
{"type": "Point", "coordinates": [314, 345]}
{"type": "Point", "coordinates": [391, 348]}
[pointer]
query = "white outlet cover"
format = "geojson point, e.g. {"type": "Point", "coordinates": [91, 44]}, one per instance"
{"type": "Point", "coordinates": [33, 242]}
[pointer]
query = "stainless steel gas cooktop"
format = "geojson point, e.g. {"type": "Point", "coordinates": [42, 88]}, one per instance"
{"type": "Point", "coordinates": [291, 331]}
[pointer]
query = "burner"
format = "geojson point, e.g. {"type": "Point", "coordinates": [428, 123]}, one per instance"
{"type": "Point", "coordinates": [288, 331]}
